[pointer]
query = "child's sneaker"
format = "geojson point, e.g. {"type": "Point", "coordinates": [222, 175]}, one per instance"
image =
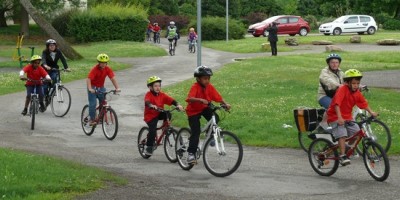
{"type": "Point", "coordinates": [191, 158]}
{"type": "Point", "coordinates": [25, 111]}
{"type": "Point", "coordinates": [344, 160]}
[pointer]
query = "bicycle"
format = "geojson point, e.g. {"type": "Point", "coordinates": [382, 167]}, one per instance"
{"type": "Point", "coordinates": [222, 150]}
{"type": "Point", "coordinates": [148, 35]}
{"type": "Point", "coordinates": [192, 46]}
{"type": "Point", "coordinates": [324, 158]}
{"type": "Point", "coordinates": [34, 103]}
{"type": "Point", "coordinates": [172, 46]}
{"type": "Point", "coordinates": [105, 115]}
{"type": "Point", "coordinates": [167, 138]}
{"type": "Point", "coordinates": [58, 96]}
{"type": "Point", "coordinates": [157, 37]}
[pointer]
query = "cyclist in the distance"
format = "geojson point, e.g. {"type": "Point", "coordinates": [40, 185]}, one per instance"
{"type": "Point", "coordinates": [95, 81]}
{"type": "Point", "coordinates": [192, 36]}
{"type": "Point", "coordinates": [34, 73]}
{"type": "Point", "coordinates": [200, 95]}
{"type": "Point", "coordinates": [50, 57]}
{"type": "Point", "coordinates": [153, 100]}
{"type": "Point", "coordinates": [172, 33]}
{"type": "Point", "coordinates": [156, 30]}
{"type": "Point", "coordinates": [340, 111]}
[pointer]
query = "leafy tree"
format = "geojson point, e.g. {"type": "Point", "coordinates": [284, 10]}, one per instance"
{"type": "Point", "coordinates": [289, 7]}
{"type": "Point", "coordinates": [269, 7]}
{"type": "Point", "coordinates": [5, 7]}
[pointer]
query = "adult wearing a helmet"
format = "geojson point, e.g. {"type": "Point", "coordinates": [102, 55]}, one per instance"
{"type": "Point", "coordinates": [340, 110]}
{"type": "Point", "coordinates": [34, 73]}
{"type": "Point", "coordinates": [95, 82]}
{"type": "Point", "coordinates": [330, 78]}
{"type": "Point", "coordinates": [200, 95]}
{"type": "Point", "coordinates": [153, 100]}
{"type": "Point", "coordinates": [50, 57]}
{"type": "Point", "coordinates": [172, 32]}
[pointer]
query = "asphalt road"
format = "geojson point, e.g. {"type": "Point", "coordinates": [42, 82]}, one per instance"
{"type": "Point", "coordinates": [264, 173]}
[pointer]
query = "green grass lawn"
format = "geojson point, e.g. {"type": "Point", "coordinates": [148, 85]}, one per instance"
{"type": "Point", "coordinates": [27, 176]}
{"type": "Point", "coordinates": [264, 91]}
{"type": "Point", "coordinates": [253, 44]}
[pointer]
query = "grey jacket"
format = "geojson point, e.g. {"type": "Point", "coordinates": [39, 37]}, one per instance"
{"type": "Point", "coordinates": [329, 82]}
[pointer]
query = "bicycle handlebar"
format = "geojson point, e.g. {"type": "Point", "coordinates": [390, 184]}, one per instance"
{"type": "Point", "coordinates": [34, 81]}
{"type": "Point", "coordinates": [215, 108]}
{"type": "Point", "coordinates": [364, 88]}
{"type": "Point", "coordinates": [170, 110]}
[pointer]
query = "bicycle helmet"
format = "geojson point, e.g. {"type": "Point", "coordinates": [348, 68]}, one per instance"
{"type": "Point", "coordinates": [202, 71]}
{"type": "Point", "coordinates": [153, 79]}
{"type": "Point", "coordinates": [333, 56]}
{"type": "Point", "coordinates": [50, 41]}
{"type": "Point", "coordinates": [171, 23]}
{"type": "Point", "coordinates": [35, 57]}
{"type": "Point", "coordinates": [103, 58]}
{"type": "Point", "coordinates": [352, 73]}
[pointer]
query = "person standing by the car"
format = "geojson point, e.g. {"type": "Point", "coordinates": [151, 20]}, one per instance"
{"type": "Point", "coordinates": [273, 37]}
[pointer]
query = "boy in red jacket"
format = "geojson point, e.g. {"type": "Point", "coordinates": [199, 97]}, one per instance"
{"type": "Point", "coordinates": [339, 111]}
{"type": "Point", "coordinates": [154, 99]}
{"type": "Point", "coordinates": [200, 95]}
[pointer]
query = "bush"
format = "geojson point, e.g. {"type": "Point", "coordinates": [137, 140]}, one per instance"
{"type": "Point", "coordinates": [61, 22]}
{"type": "Point", "coordinates": [392, 24]}
{"type": "Point", "coordinates": [326, 20]}
{"type": "Point", "coordinates": [213, 28]}
{"type": "Point", "coordinates": [109, 22]}
{"type": "Point", "coordinates": [312, 21]}
{"type": "Point", "coordinates": [256, 17]}
{"type": "Point", "coordinates": [163, 20]}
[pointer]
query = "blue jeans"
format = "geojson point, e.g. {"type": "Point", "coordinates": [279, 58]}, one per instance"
{"type": "Point", "coordinates": [39, 90]}
{"type": "Point", "coordinates": [92, 101]}
{"type": "Point", "coordinates": [53, 76]}
{"type": "Point", "coordinates": [325, 102]}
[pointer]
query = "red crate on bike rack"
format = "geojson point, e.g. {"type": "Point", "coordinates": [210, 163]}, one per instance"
{"type": "Point", "coordinates": [307, 119]}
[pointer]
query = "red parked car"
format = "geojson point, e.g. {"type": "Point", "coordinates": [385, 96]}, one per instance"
{"type": "Point", "coordinates": [287, 24]}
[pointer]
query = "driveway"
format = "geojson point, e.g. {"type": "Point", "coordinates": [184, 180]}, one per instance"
{"type": "Point", "coordinates": [264, 173]}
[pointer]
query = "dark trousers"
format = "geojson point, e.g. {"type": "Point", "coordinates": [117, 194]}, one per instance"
{"type": "Point", "coordinates": [194, 123]}
{"type": "Point", "coordinates": [151, 137]}
{"type": "Point", "coordinates": [274, 49]}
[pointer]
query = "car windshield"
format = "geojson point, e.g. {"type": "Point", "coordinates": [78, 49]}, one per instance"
{"type": "Point", "coordinates": [340, 19]}
{"type": "Point", "coordinates": [269, 20]}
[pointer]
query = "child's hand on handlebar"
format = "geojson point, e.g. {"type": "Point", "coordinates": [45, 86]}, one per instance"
{"type": "Point", "coordinates": [180, 108]}
{"type": "Point", "coordinates": [91, 90]}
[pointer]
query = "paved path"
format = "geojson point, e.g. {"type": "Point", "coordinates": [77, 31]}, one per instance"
{"type": "Point", "coordinates": [264, 174]}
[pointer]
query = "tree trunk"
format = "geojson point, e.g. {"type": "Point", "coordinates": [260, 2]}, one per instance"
{"type": "Point", "coordinates": [25, 22]}
{"type": "Point", "coordinates": [3, 21]}
{"type": "Point", "coordinates": [68, 51]}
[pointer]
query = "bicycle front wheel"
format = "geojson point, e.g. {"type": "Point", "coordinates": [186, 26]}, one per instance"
{"type": "Point", "coordinates": [169, 145]}
{"type": "Point", "coordinates": [142, 140]}
{"type": "Point", "coordinates": [223, 156]}
{"type": "Point", "coordinates": [110, 123]}
{"type": "Point", "coordinates": [33, 109]}
{"type": "Point", "coordinates": [181, 146]}
{"type": "Point", "coordinates": [324, 159]}
{"type": "Point", "coordinates": [376, 161]}
{"type": "Point", "coordinates": [61, 101]}
{"type": "Point", "coordinates": [85, 121]}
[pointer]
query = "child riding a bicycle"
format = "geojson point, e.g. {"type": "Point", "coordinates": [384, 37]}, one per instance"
{"type": "Point", "coordinates": [153, 100]}
{"type": "Point", "coordinates": [192, 37]}
{"type": "Point", "coordinates": [340, 110]}
{"type": "Point", "coordinates": [200, 95]}
{"type": "Point", "coordinates": [34, 73]}
{"type": "Point", "coordinates": [156, 31]}
{"type": "Point", "coordinates": [50, 57]}
{"type": "Point", "coordinates": [95, 83]}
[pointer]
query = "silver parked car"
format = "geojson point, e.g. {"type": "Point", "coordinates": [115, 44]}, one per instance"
{"type": "Point", "coordinates": [350, 24]}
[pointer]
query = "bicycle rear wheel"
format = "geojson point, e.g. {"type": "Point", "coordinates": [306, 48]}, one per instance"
{"type": "Point", "coordinates": [142, 140]}
{"type": "Point", "coordinates": [376, 161]}
{"type": "Point", "coordinates": [226, 160]}
{"type": "Point", "coordinates": [169, 145]}
{"type": "Point", "coordinates": [61, 101]}
{"type": "Point", "coordinates": [323, 158]}
{"type": "Point", "coordinates": [85, 121]}
{"type": "Point", "coordinates": [33, 109]}
{"type": "Point", "coordinates": [110, 123]}
{"type": "Point", "coordinates": [182, 144]}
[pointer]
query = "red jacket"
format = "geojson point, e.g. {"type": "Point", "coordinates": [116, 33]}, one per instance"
{"type": "Point", "coordinates": [197, 91]}
{"type": "Point", "coordinates": [346, 100]}
{"type": "Point", "coordinates": [98, 76]}
{"type": "Point", "coordinates": [34, 74]}
{"type": "Point", "coordinates": [156, 28]}
{"type": "Point", "coordinates": [159, 100]}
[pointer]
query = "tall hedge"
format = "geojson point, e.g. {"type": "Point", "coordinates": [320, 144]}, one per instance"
{"type": "Point", "coordinates": [214, 28]}
{"type": "Point", "coordinates": [109, 22]}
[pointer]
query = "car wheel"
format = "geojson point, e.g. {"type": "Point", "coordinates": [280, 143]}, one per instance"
{"type": "Point", "coordinates": [256, 35]}
{"type": "Point", "coordinates": [266, 33]}
{"type": "Point", "coordinates": [303, 32]}
{"type": "Point", "coordinates": [371, 30]}
{"type": "Point", "coordinates": [337, 31]}
{"type": "Point", "coordinates": [360, 33]}
{"type": "Point", "coordinates": [292, 35]}
{"type": "Point", "coordinates": [326, 33]}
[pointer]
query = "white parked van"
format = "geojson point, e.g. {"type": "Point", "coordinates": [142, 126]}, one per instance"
{"type": "Point", "coordinates": [350, 24]}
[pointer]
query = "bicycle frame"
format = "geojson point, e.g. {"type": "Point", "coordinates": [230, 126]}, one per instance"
{"type": "Point", "coordinates": [214, 130]}
{"type": "Point", "coordinates": [164, 127]}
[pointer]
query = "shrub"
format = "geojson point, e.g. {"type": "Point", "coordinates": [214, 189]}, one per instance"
{"type": "Point", "coordinates": [256, 17]}
{"type": "Point", "coordinates": [312, 21]}
{"type": "Point", "coordinates": [392, 24]}
{"type": "Point", "coordinates": [61, 22]}
{"type": "Point", "coordinates": [109, 22]}
{"type": "Point", "coordinates": [163, 20]}
{"type": "Point", "coordinates": [213, 28]}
